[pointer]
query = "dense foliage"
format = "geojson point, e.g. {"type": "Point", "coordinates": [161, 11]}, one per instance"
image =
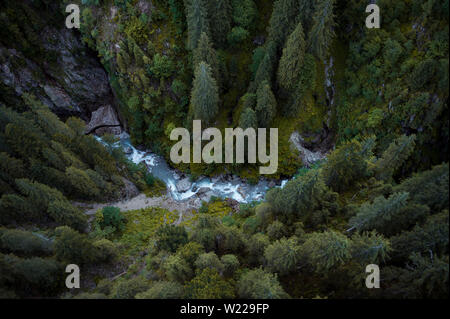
{"type": "Point", "coordinates": [374, 100]}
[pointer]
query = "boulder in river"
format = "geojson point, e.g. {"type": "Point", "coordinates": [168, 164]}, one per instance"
{"type": "Point", "coordinates": [128, 150]}
{"type": "Point", "coordinates": [184, 185]}
{"type": "Point", "coordinates": [241, 191]}
{"type": "Point", "coordinates": [205, 194]}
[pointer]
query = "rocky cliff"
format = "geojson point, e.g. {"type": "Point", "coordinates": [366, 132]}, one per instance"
{"type": "Point", "coordinates": [53, 64]}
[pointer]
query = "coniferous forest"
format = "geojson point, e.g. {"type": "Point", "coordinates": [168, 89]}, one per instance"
{"type": "Point", "coordinates": [363, 160]}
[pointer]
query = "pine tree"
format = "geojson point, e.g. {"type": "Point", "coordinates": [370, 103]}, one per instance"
{"type": "Point", "coordinates": [299, 196]}
{"type": "Point", "coordinates": [345, 166]}
{"type": "Point", "coordinates": [283, 256]}
{"type": "Point", "coordinates": [321, 33]}
{"type": "Point", "coordinates": [266, 106]}
{"type": "Point", "coordinates": [430, 188]}
{"type": "Point", "coordinates": [291, 61]}
{"type": "Point", "coordinates": [379, 214]}
{"type": "Point", "coordinates": [327, 250]}
{"type": "Point", "coordinates": [208, 284]}
{"type": "Point", "coordinates": [204, 96]}
{"type": "Point", "coordinates": [394, 157]}
{"type": "Point", "coordinates": [433, 235]}
{"type": "Point", "coordinates": [248, 119]}
{"type": "Point", "coordinates": [260, 284]}
{"type": "Point", "coordinates": [285, 16]}
{"type": "Point", "coordinates": [266, 67]}
{"type": "Point", "coordinates": [197, 21]}
{"type": "Point", "coordinates": [306, 9]}
{"type": "Point", "coordinates": [177, 269]}
{"type": "Point", "coordinates": [220, 20]}
{"type": "Point", "coordinates": [370, 248]}
{"type": "Point", "coordinates": [206, 53]}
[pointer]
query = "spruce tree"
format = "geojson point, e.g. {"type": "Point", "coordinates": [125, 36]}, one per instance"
{"type": "Point", "coordinates": [204, 96]}
{"type": "Point", "coordinates": [205, 52]}
{"type": "Point", "coordinates": [219, 12]}
{"type": "Point", "coordinates": [394, 157]}
{"type": "Point", "coordinates": [327, 250]}
{"type": "Point", "coordinates": [266, 105]}
{"type": "Point", "coordinates": [379, 214]}
{"type": "Point", "coordinates": [248, 119]}
{"type": "Point", "coordinates": [285, 16]}
{"type": "Point", "coordinates": [197, 21]}
{"type": "Point", "coordinates": [321, 33]}
{"type": "Point", "coordinates": [291, 61]}
{"type": "Point", "coordinates": [283, 256]}
{"type": "Point", "coordinates": [345, 166]}
{"type": "Point", "coordinates": [260, 284]}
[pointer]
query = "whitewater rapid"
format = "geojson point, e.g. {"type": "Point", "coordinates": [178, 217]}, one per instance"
{"type": "Point", "coordinates": [233, 188]}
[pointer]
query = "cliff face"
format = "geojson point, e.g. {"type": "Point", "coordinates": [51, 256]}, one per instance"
{"type": "Point", "coordinates": [65, 75]}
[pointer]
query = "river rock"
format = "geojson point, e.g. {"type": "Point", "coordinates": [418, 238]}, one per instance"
{"type": "Point", "coordinates": [272, 184]}
{"type": "Point", "coordinates": [203, 190]}
{"type": "Point", "coordinates": [104, 120]}
{"type": "Point", "coordinates": [205, 194]}
{"type": "Point", "coordinates": [184, 185]}
{"type": "Point", "coordinates": [127, 150]}
{"type": "Point", "coordinates": [241, 191]}
{"type": "Point", "coordinates": [217, 179]}
{"type": "Point", "coordinates": [176, 176]}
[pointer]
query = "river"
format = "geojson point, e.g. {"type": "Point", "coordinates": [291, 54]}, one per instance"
{"type": "Point", "coordinates": [223, 186]}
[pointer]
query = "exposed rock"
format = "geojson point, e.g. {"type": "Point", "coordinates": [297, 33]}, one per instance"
{"type": "Point", "coordinates": [129, 190]}
{"type": "Point", "coordinates": [184, 185]}
{"type": "Point", "coordinates": [205, 194]}
{"type": "Point", "coordinates": [71, 82]}
{"type": "Point", "coordinates": [176, 176]}
{"type": "Point", "coordinates": [127, 150]}
{"type": "Point", "coordinates": [234, 204]}
{"type": "Point", "coordinates": [308, 157]}
{"type": "Point", "coordinates": [203, 190]}
{"type": "Point", "coordinates": [241, 191]}
{"type": "Point", "coordinates": [217, 179]}
{"type": "Point", "coordinates": [272, 184]}
{"type": "Point", "coordinates": [104, 120]}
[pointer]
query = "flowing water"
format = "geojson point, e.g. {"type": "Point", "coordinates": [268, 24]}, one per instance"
{"type": "Point", "coordinates": [221, 187]}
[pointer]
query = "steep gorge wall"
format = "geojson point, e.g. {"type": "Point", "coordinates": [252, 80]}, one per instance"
{"type": "Point", "coordinates": [54, 65]}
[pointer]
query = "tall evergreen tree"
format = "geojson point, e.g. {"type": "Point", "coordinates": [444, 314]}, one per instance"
{"type": "Point", "coordinates": [197, 21]}
{"type": "Point", "coordinates": [220, 20]}
{"type": "Point", "coordinates": [394, 157]}
{"type": "Point", "coordinates": [266, 105]}
{"type": "Point", "coordinates": [321, 33]}
{"type": "Point", "coordinates": [284, 18]}
{"type": "Point", "coordinates": [205, 52]}
{"type": "Point", "coordinates": [283, 255]}
{"type": "Point", "coordinates": [380, 213]}
{"type": "Point", "coordinates": [292, 59]}
{"type": "Point", "coordinates": [248, 119]}
{"type": "Point", "coordinates": [260, 284]}
{"type": "Point", "coordinates": [345, 166]}
{"type": "Point", "coordinates": [204, 96]}
{"type": "Point", "coordinates": [324, 251]}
